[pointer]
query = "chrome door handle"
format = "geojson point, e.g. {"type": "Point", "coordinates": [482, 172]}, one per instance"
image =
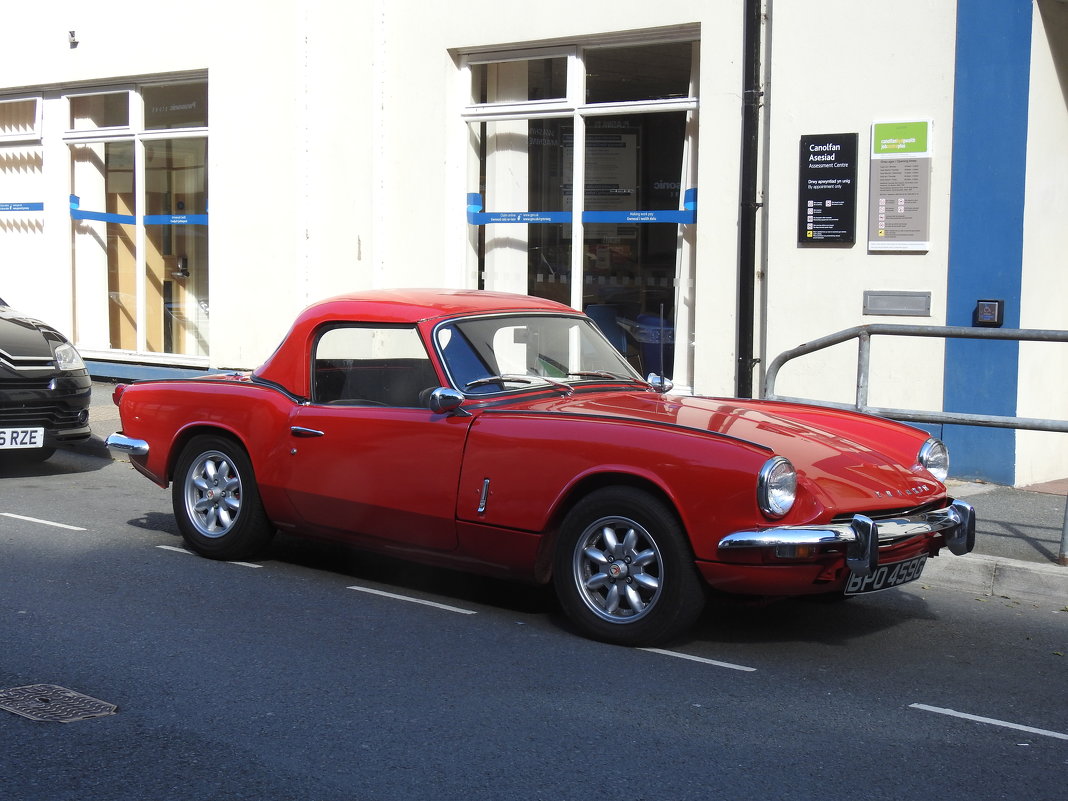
{"type": "Point", "coordinates": [301, 431]}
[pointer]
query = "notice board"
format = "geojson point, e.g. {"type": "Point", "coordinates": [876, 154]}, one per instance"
{"type": "Point", "coordinates": [899, 194]}
{"type": "Point", "coordinates": [827, 189]}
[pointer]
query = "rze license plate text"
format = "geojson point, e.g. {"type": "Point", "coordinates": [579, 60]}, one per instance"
{"type": "Point", "coordinates": [887, 576]}
{"type": "Point", "coordinates": [21, 438]}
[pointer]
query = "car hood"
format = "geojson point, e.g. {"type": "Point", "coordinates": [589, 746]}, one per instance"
{"type": "Point", "coordinates": [847, 459]}
{"type": "Point", "coordinates": [22, 337]}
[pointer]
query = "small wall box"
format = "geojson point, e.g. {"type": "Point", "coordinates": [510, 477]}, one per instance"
{"type": "Point", "coordinates": [990, 313]}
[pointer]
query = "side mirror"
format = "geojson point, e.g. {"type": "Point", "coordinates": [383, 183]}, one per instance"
{"type": "Point", "coordinates": [444, 400]}
{"type": "Point", "coordinates": [660, 383]}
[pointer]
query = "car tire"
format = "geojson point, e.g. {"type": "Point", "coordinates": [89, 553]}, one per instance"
{"type": "Point", "coordinates": [623, 569]}
{"type": "Point", "coordinates": [216, 501]}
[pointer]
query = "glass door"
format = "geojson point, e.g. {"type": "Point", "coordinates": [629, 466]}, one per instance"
{"type": "Point", "coordinates": [176, 246]}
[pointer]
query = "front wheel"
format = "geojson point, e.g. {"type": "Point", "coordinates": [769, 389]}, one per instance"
{"type": "Point", "coordinates": [216, 501]}
{"type": "Point", "coordinates": [624, 570]}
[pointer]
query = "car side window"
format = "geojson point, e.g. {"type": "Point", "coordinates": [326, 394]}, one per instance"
{"type": "Point", "coordinates": [372, 366]}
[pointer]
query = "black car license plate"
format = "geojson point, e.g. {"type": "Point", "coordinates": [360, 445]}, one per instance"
{"type": "Point", "coordinates": [887, 576]}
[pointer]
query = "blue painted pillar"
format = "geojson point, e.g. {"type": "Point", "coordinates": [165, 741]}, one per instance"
{"type": "Point", "coordinates": [986, 226]}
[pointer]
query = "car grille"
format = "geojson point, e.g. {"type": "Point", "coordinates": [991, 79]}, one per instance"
{"type": "Point", "coordinates": [52, 402]}
{"type": "Point", "coordinates": [889, 514]}
{"type": "Point", "coordinates": [26, 384]}
{"type": "Point", "coordinates": [47, 415]}
{"type": "Point", "coordinates": [886, 539]}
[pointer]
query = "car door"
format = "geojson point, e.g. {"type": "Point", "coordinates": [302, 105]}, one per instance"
{"type": "Point", "coordinates": [367, 457]}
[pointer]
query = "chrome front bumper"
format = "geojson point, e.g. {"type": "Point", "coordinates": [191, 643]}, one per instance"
{"type": "Point", "coordinates": [123, 444]}
{"type": "Point", "coordinates": [862, 536]}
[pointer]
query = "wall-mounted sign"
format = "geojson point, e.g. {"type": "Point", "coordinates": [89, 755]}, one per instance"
{"type": "Point", "coordinates": [827, 189]}
{"type": "Point", "coordinates": [899, 190]}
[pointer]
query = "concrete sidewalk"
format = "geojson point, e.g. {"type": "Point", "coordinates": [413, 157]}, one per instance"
{"type": "Point", "coordinates": [1018, 531]}
{"type": "Point", "coordinates": [1017, 542]}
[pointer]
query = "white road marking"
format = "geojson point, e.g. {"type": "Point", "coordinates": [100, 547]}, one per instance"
{"type": "Point", "coordinates": [396, 597]}
{"type": "Point", "coordinates": [700, 659]}
{"type": "Point", "coordinates": [176, 549]}
{"type": "Point", "coordinates": [977, 718]}
{"type": "Point", "coordinates": [42, 522]}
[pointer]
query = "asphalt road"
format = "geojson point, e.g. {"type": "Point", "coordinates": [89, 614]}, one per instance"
{"type": "Point", "coordinates": [319, 673]}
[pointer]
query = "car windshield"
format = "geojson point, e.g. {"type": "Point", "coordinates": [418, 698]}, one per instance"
{"type": "Point", "coordinates": [494, 354]}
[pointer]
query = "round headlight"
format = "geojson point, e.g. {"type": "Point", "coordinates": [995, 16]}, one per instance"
{"type": "Point", "coordinates": [934, 458]}
{"type": "Point", "coordinates": [776, 487]}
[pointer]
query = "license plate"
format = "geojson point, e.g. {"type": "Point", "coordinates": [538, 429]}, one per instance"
{"type": "Point", "coordinates": [887, 576]}
{"type": "Point", "coordinates": [11, 438]}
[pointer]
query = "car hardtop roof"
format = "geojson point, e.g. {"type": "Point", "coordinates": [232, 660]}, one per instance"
{"type": "Point", "coordinates": [415, 305]}
{"type": "Point", "coordinates": [288, 365]}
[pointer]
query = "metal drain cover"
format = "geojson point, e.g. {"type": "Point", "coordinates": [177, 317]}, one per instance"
{"type": "Point", "coordinates": [48, 702]}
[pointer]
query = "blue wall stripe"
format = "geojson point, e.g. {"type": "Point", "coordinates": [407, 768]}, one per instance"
{"type": "Point", "coordinates": [986, 225]}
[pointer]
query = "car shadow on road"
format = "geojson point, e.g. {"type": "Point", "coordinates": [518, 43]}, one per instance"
{"type": "Point", "coordinates": [815, 619]}
{"type": "Point", "coordinates": [62, 462]}
{"type": "Point", "coordinates": [726, 619]}
{"type": "Point", "coordinates": [156, 521]}
{"type": "Point", "coordinates": [402, 576]}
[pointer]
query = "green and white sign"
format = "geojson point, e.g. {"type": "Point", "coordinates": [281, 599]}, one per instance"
{"type": "Point", "coordinates": [892, 139]}
{"type": "Point", "coordinates": [899, 186]}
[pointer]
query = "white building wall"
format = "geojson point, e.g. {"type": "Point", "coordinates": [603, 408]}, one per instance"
{"type": "Point", "coordinates": [337, 162]}
{"type": "Point", "coordinates": [861, 63]}
{"type": "Point", "coordinates": [1043, 387]}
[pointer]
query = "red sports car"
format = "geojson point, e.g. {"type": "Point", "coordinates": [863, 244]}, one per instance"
{"type": "Point", "coordinates": [503, 434]}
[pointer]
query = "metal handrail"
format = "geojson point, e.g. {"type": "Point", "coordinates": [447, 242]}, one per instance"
{"type": "Point", "coordinates": [863, 335]}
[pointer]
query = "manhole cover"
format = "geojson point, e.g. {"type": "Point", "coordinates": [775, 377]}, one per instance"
{"type": "Point", "coordinates": [51, 703]}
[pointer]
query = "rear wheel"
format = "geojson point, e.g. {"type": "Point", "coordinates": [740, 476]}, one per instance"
{"type": "Point", "coordinates": [216, 501]}
{"type": "Point", "coordinates": [624, 570]}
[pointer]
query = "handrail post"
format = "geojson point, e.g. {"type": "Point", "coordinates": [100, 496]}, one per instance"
{"type": "Point", "coordinates": [863, 361]}
{"type": "Point", "coordinates": [1062, 558]}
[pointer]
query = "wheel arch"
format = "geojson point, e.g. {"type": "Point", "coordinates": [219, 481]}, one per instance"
{"type": "Point", "coordinates": [184, 436]}
{"type": "Point", "coordinates": [584, 487]}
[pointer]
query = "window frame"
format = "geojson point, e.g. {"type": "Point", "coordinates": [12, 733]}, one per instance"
{"type": "Point", "coordinates": [573, 106]}
{"type": "Point", "coordinates": [109, 131]}
{"type": "Point", "coordinates": [34, 135]}
{"type": "Point", "coordinates": [137, 134]}
{"type": "Point", "coordinates": [410, 331]}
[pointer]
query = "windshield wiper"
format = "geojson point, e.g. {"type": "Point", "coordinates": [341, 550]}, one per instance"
{"type": "Point", "coordinates": [602, 374]}
{"type": "Point", "coordinates": [521, 379]}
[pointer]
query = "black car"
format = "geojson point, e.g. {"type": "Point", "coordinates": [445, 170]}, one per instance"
{"type": "Point", "coordinates": [44, 389]}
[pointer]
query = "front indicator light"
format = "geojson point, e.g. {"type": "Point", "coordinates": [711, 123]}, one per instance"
{"type": "Point", "coordinates": [776, 487]}
{"type": "Point", "coordinates": [796, 551]}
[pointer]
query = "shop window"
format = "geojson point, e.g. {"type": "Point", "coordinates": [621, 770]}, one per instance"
{"type": "Point", "coordinates": [94, 112]}
{"type": "Point", "coordinates": [22, 195]}
{"type": "Point", "coordinates": [519, 80]}
{"type": "Point", "coordinates": [179, 105]}
{"type": "Point", "coordinates": [619, 122]}
{"type": "Point", "coordinates": [139, 216]}
{"type": "Point", "coordinates": [104, 244]}
{"type": "Point", "coordinates": [20, 120]}
{"type": "Point", "coordinates": [176, 245]}
{"type": "Point", "coordinates": [611, 74]}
